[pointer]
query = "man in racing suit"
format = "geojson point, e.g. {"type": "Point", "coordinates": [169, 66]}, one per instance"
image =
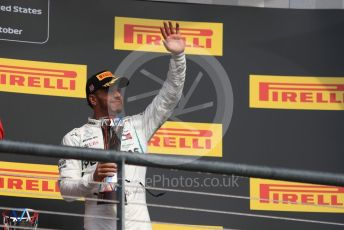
{"type": "Point", "coordinates": [77, 178]}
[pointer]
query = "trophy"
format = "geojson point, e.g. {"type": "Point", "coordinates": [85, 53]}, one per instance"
{"type": "Point", "coordinates": [112, 141]}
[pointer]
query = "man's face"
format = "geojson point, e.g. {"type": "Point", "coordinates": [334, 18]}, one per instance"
{"type": "Point", "coordinates": [109, 100]}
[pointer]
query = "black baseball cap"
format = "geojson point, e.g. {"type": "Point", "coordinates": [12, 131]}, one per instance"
{"type": "Point", "coordinates": [104, 79]}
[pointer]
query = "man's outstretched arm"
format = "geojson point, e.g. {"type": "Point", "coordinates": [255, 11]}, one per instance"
{"type": "Point", "coordinates": [169, 95]}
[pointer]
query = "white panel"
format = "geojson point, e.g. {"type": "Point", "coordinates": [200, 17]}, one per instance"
{"type": "Point", "coordinates": [276, 3]}
{"type": "Point", "coordinates": [258, 3]}
{"type": "Point", "coordinates": [227, 2]}
{"type": "Point", "coordinates": [303, 4]}
{"type": "Point", "coordinates": [200, 1]}
{"type": "Point", "coordinates": [329, 4]}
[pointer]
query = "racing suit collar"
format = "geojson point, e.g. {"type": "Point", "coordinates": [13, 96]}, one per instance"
{"type": "Point", "coordinates": [102, 121]}
{"type": "Point", "coordinates": [94, 122]}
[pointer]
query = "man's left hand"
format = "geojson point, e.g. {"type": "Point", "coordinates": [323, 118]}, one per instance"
{"type": "Point", "coordinates": [173, 41]}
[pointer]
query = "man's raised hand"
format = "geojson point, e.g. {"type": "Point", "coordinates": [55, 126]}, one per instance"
{"type": "Point", "coordinates": [173, 42]}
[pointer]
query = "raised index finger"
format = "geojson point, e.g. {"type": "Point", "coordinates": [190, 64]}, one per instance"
{"type": "Point", "coordinates": [167, 30]}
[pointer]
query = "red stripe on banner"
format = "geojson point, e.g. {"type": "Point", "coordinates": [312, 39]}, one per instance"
{"type": "Point", "coordinates": [28, 171]}
{"type": "Point", "coordinates": [42, 72]}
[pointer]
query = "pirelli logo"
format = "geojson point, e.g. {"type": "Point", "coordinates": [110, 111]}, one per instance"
{"type": "Point", "coordinates": [203, 38]}
{"type": "Point", "coordinates": [102, 76]}
{"type": "Point", "coordinates": [298, 197]}
{"type": "Point", "coordinates": [42, 78]}
{"type": "Point", "coordinates": [313, 93]}
{"type": "Point", "coordinates": [29, 180]}
{"type": "Point", "coordinates": [186, 138]}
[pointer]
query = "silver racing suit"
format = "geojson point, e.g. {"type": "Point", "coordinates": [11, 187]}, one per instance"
{"type": "Point", "coordinates": [76, 176]}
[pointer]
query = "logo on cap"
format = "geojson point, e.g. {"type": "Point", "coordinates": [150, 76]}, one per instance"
{"type": "Point", "coordinates": [111, 82]}
{"type": "Point", "coordinates": [104, 75]}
